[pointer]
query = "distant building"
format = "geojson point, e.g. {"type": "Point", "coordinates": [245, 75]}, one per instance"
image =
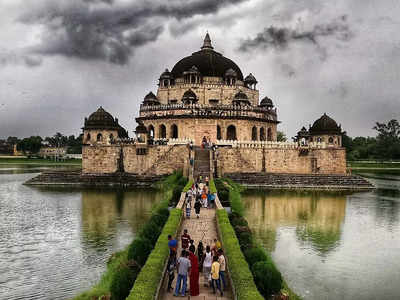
{"type": "Point", "coordinates": [52, 152]}
{"type": "Point", "coordinates": [205, 100]}
{"type": "Point", "coordinates": [6, 148]}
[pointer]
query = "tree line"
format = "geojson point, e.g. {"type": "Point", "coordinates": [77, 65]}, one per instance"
{"type": "Point", "coordinates": [33, 144]}
{"type": "Point", "coordinates": [385, 146]}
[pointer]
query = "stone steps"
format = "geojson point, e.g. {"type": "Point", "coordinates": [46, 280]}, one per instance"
{"type": "Point", "coordinates": [77, 178]}
{"type": "Point", "coordinates": [309, 180]}
{"type": "Point", "coordinates": [201, 163]}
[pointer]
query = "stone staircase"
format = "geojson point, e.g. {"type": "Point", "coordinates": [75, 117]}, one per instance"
{"type": "Point", "coordinates": [201, 163]}
{"type": "Point", "coordinates": [75, 177]}
{"type": "Point", "coordinates": [301, 180]}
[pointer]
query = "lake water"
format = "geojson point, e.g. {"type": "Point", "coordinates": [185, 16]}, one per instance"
{"type": "Point", "coordinates": [54, 243]}
{"type": "Point", "coordinates": [333, 245]}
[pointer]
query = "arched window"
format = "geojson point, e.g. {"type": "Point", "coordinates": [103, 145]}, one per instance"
{"type": "Point", "coordinates": [88, 137]}
{"type": "Point", "coordinates": [151, 132]}
{"type": "Point", "coordinates": [262, 134]}
{"type": "Point", "coordinates": [111, 137]}
{"type": "Point", "coordinates": [330, 140]}
{"type": "Point", "coordinates": [231, 133]}
{"type": "Point", "coordinates": [99, 137]}
{"type": "Point", "coordinates": [162, 132]}
{"type": "Point", "coordinates": [189, 97]}
{"type": "Point", "coordinates": [254, 133]}
{"type": "Point", "coordinates": [269, 134]}
{"type": "Point", "coordinates": [319, 140]}
{"type": "Point", "coordinates": [174, 131]}
{"type": "Point", "coordinates": [219, 136]}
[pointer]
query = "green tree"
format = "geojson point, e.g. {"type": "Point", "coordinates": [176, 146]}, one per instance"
{"type": "Point", "coordinates": [30, 145]}
{"type": "Point", "coordinates": [388, 139]}
{"type": "Point", "coordinates": [12, 140]}
{"type": "Point", "coordinates": [281, 137]}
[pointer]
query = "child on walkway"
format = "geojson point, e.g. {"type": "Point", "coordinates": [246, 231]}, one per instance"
{"type": "Point", "coordinates": [185, 238]}
{"type": "Point", "coordinates": [215, 280]}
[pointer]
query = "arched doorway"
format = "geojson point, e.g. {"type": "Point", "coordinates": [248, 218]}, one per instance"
{"type": "Point", "coordinates": [269, 134]}
{"type": "Point", "coordinates": [151, 132]}
{"type": "Point", "coordinates": [174, 131]}
{"type": "Point", "coordinates": [111, 137]}
{"type": "Point", "coordinates": [219, 135]}
{"type": "Point", "coordinates": [231, 133]}
{"type": "Point", "coordinates": [254, 133]}
{"type": "Point", "coordinates": [162, 132]}
{"type": "Point", "coordinates": [262, 134]}
{"type": "Point", "coordinates": [99, 137]}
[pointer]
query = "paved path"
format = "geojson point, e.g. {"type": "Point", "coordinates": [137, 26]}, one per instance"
{"type": "Point", "coordinates": [203, 229]}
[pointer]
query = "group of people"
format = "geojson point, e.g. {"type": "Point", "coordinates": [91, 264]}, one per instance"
{"type": "Point", "coordinates": [210, 261]}
{"type": "Point", "coordinates": [201, 196]}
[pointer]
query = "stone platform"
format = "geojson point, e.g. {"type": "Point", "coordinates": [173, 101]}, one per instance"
{"type": "Point", "coordinates": [77, 178]}
{"type": "Point", "coordinates": [301, 181]}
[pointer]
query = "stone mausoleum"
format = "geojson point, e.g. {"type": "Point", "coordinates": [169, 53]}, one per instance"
{"type": "Point", "coordinates": [206, 97]}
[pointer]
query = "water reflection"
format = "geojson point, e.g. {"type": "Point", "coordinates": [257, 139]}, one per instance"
{"type": "Point", "coordinates": [55, 242]}
{"type": "Point", "coordinates": [317, 217]}
{"type": "Point", "coordinates": [332, 245]}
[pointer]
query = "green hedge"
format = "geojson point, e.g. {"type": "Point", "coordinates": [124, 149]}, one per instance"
{"type": "Point", "coordinates": [213, 189]}
{"type": "Point", "coordinates": [188, 186]}
{"type": "Point", "coordinates": [146, 283]}
{"type": "Point", "coordinates": [242, 278]}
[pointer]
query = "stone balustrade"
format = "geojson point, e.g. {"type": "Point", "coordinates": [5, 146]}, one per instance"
{"type": "Point", "coordinates": [170, 110]}
{"type": "Point", "coordinates": [183, 141]}
{"type": "Point", "coordinates": [269, 144]}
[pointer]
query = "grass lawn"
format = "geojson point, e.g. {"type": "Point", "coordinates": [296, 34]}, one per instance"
{"type": "Point", "coordinates": [390, 168]}
{"type": "Point", "coordinates": [38, 161]}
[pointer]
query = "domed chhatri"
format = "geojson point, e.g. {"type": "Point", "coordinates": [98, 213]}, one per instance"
{"type": "Point", "coordinates": [101, 127]}
{"type": "Point", "coordinates": [266, 102]}
{"type": "Point", "coordinates": [151, 99]}
{"type": "Point", "coordinates": [324, 130]}
{"type": "Point", "coordinates": [325, 125]}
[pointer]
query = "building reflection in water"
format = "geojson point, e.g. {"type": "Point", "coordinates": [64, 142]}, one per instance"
{"type": "Point", "coordinates": [317, 217]}
{"type": "Point", "coordinates": [103, 211]}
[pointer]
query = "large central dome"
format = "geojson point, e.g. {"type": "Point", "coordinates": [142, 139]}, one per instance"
{"type": "Point", "coordinates": [207, 61]}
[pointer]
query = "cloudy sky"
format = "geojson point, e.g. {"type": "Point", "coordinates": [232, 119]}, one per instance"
{"type": "Point", "coordinates": [61, 59]}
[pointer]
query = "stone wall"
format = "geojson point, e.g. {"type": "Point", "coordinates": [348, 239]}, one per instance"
{"type": "Point", "coordinates": [318, 161]}
{"type": "Point", "coordinates": [158, 160]}
{"type": "Point", "coordinates": [100, 159]}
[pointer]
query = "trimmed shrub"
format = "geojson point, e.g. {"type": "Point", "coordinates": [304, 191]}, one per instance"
{"type": "Point", "coordinates": [122, 282]}
{"type": "Point", "coordinates": [182, 182]}
{"type": "Point", "coordinates": [164, 212]}
{"type": "Point", "coordinates": [188, 186]}
{"type": "Point", "coordinates": [245, 239]}
{"type": "Point", "coordinates": [150, 231]}
{"type": "Point", "coordinates": [237, 220]}
{"type": "Point", "coordinates": [267, 278]}
{"type": "Point", "coordinates": [139, 250]}
{"type": "Point", "coordinates": [254, 255]}
{"type": "Point", "coordinates": [159, 219]}
{"type": "Point", "coordinates": [241, 229]}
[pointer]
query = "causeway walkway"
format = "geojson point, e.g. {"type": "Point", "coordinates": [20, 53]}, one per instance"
{"type": "Point", "coordinates": [202, 229]}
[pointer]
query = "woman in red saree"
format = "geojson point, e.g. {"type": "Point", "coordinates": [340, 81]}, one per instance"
{"type": "Point", "coordinates": [194, 274]}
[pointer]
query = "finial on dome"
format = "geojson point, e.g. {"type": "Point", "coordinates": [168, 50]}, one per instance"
{"type": "Point", "coordinates": [207, 42]}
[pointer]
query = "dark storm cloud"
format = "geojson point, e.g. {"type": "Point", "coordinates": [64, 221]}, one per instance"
{"type": "Point", "coordinates": [281, 37]}
{"type": "Point", "coordinates": [108, 29]}
{"type": "Point", "coordinates": [19, 58]}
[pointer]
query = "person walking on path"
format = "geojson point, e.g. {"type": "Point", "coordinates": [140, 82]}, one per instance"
{"type": "Point", "coordinates": [197, 206]}
{"type": "Point", "coordinates": [215, 280]}
{"type": "Point", "coordinates": [183, 267]}
{"type": "Point", "coordinates": [200, 254]}
{"type": "Point", "coordinates": [192, 247]}
{"type": "Point", "coordinates": [171, 270]}
{"type": "Point", "coordinates": [207, 263]}
{"type": "Point", "coordinates": [222, 263]}
{"type": "Point", "coordinates": [216, 246]}
{"type": "Point", "coordinates": [188, 208]}
{"type": "Point", "coordinates": [172, 244]}
{"type": "Point", "coordinates": [194, 274]}
{"type": "Point", "coordinates": [185, 239]}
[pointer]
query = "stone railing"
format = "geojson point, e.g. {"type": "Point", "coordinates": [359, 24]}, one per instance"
{"type": "Point", "coordinates": [269, 144]}
{"type": "Point", "coordinates": [179, 141]}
